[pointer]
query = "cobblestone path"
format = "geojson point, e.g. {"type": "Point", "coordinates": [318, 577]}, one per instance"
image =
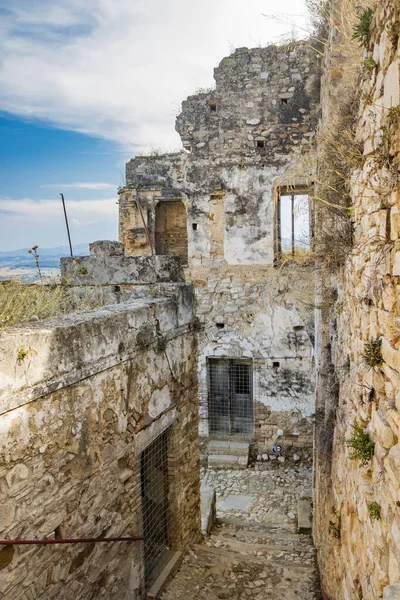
{"type": "Point", "coordinates": [254, 552]}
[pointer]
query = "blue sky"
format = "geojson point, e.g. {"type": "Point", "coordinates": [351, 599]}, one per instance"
{"type": "Point", "coordinates": [87, 84]}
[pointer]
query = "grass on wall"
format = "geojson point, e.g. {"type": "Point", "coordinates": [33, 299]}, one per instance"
{"type": "Point", "coordinates": [23, 303]}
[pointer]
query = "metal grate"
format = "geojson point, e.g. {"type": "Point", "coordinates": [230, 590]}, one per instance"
{"type": "Point", "coordinates": [230, 396]}
{"type": "Point", "coordinates": [155, 507]}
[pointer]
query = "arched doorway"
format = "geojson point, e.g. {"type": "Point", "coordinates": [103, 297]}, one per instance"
{"type": "Point", "coordinates": [171, 228]}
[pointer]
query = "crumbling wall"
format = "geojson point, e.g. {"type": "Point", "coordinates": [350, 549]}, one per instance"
{"type": "Point", "coordinates": [81, 397]}
{"type": "Point", "coordinates": [357, 527]}
{"type": "Point", "coordinates": [245, 140]}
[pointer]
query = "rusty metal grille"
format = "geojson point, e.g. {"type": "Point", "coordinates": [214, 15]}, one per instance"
{"type": "Point", "coordinates": [155, 507]}
{"type": "Point", "coordinates": [230, 396]}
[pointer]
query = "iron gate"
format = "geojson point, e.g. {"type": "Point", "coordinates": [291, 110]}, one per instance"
{"type": "Point", "coordinates": [155, 507]}
{"type": "Point", "coordinates": [230, 396]}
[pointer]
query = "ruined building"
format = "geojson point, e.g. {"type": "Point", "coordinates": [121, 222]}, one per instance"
{"type": "Point", "coordinates": [253, 300]}
{"type": "Point", "coordinates": [223, 205]}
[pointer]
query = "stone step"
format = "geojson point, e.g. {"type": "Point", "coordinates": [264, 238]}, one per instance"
{"type": "Point", "coordinates": [227, 461]}
{"type": "Point", "coordinates": [203, 550]}
{"type": "Point", "coordinates": [228, 447]}
{"type": "Point", "coordinates": [292, 552]}
{"type": "Point", "coordinates": [270, 541]}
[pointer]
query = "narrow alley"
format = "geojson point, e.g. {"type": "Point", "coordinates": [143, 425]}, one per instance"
{"type": "Point", "coordinates": [254, 550]}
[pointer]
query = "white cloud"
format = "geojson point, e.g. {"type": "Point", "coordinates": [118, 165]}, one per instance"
{"type": "Point", "coordinates": [95, 185]}
{"type": "Point", "coordinates": [118, 69]}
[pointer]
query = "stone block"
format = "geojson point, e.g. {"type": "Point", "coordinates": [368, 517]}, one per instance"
{"type": "Point", "coordinates": [208, 500]}
{"type": "Point", "coordinates": [304, 515]}
{"type": "Point", "coordinates": [391, 86]}
{"type": "Point", "coordinates": [239, 502]}
{"type": "Point", "coordinates": [392, 592]}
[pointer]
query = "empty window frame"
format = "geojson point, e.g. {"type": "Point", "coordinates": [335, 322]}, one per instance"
{"type": "Point", "coordinates": [293, 222]}
{"type": "Point", "coordinates": [230, 396]}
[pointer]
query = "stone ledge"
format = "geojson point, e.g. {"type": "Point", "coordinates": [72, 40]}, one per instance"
{"type": "Point", "coordinates": [64, 350]}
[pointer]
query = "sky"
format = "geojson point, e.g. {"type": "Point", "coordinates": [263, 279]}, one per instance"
{"type": "Point", "coordinates": [87, 84]}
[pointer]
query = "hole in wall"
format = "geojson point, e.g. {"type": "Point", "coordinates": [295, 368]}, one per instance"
{"type": "Point", "coordinates": [58, 535]}
{"type": "Point", "coordinates": [284, 100]}
{"type": "Point", "coordinates": [220, 325]}
{"type": "Point", "coordinates": [213, 107]}
{"type": "Point", "coordinates": [194, 226]}
{"type": "Point", "coordinates": [260, 144]}
{"type": "Point", "coordinates": [276, 364]}
{"type": "Point", "coordinates": [6, 556]}
{"type": "Point", "coordinates": [117, 288]}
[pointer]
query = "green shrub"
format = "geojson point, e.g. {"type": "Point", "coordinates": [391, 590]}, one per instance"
{"type": "Point", "coordinates": [362, 29]}
{"type": "Point", "coordinates": [369, 64]}
{"type": "Point", "coordinates": [363, 447]}
{"type": "Point", "coordinates": [373, 353]}
{"type": "Point", "coordinates": [374, 511]}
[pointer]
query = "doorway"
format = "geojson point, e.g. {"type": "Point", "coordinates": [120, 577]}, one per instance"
{"type": "Point", "coordinates": [230, 396]}
{"type": "Point", "coordinates": [171, 228]}
{"type": "Point", "coordinates": [155, 507]}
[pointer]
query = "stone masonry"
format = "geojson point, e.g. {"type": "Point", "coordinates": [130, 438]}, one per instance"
{"type": "Point", "coordinates": [357, 526]}
{"type": "Point", "coordinates": [81, 397]}
{"type": "Point", "coordinates": [245, 142]}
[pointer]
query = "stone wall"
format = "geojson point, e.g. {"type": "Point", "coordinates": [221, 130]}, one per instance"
{"type": "Point", "coordinates": [81, 397]}
{"type": "Point", "coordinates": [245, 142]}
{"type": "Point", "coordinates": [357, 527]}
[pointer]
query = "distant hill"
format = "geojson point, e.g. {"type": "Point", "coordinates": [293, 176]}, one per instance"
{"type": "Point", "coordinates": [48, 257]}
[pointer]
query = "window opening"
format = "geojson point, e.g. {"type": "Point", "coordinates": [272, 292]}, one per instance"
{"type": "Point", "coordinates": [293, 223]}
{"type": "Point", "coordinates": [155, 507]}
{"type": "Point", "coordinates": [230, 393]}
{"type": "Point", "coordinates": [213, 107]}
{"type": "Point", "coordinates": [194, 226]}
{"type": "Point", "coordinates": [260, 144]}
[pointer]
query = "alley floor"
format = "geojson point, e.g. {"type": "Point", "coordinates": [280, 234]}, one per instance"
{"type": "Point", "coordinates": [254, 551]}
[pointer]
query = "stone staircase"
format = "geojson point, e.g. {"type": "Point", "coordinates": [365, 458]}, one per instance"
{"type": "Point", "coordinates": [228, 454]}
{"type": "Point", "coordinates": [254, 563]}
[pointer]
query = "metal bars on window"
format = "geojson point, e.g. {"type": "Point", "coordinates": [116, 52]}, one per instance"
{"type": "Point", "coordinates": [230, 396]}
{"type": "Point", "coordinates": [155, 507]}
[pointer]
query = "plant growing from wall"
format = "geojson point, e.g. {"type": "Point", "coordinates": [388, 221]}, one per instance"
{"type": "Point", "coordinates": [374, 511]}
{"type": "Point", "coordinates": [362, 29]}
{"type": "Point", "coordinates": [361, 444]}
{"type": "Point", "coordinates": [24, 353]}
{"type": "Point", "coordinates": [368, 66]}
{"type": "Point", "coordinates": [21, 354]}
{"type": "Point", "coordinates": [372, 355]}
{"type": "Point", "coordinates": [335, 527]}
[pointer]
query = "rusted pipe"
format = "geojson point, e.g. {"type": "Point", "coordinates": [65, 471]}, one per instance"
{"type": "Point", "coordinates": [69, 541]}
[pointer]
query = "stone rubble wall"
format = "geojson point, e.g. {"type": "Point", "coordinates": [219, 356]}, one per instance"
{"type": "Point", "coordinates": [366, 557]}
{"type": "Point", "coordinates": [81, 397]}
{"type": "Point", "coordinates": [261, 95]}
{"type": "Point", "coordinates": [229, 186]}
